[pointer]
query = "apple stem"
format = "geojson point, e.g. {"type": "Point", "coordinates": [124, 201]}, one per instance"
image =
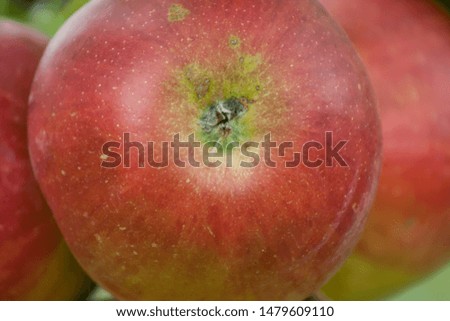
{"type": "Point", "coordinates": [220, 115]}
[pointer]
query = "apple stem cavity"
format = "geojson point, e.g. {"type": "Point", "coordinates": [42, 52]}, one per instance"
{"type": "Point", "coordinates": [220, 115]}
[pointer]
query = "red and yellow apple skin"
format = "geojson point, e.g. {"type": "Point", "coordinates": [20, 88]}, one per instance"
{"type": "Point", "coordinates": [149, 68]}
{"type": "Point", "coordinates": [35, 264]}
{"type": "Point", "coordinates": [406, 49]}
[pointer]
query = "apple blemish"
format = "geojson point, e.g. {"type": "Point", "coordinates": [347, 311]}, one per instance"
{"type": "Point", "coordinates": [234, 42]}
{"type": "Point", "coordinates": [177, 13]}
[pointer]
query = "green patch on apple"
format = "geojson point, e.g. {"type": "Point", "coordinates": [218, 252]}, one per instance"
{"type": "Point", "coordinates": [205, 84]}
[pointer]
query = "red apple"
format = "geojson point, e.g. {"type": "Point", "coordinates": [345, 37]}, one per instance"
{"type": "Point", "coordinates": [35, 263]}
{"type": "Point", "coordinates": [405, 46]}
{"type": "Point", "coordinates": [154, 69]}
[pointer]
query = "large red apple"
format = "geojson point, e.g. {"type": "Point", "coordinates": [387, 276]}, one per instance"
{"type": "Point", "coordinates": [405, 45]}
{"type": "Point", "coordinates": [225, 71]}
{"type": "Point", "coordinates": [35, 263]}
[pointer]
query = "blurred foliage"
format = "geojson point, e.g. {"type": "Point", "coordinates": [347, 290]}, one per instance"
{"type": "Point", "coordinates": [436, 287]}
{"type": "Point", "coordinates": [44, 15]}
{"type": "Point", "coordinates": [445, 3]}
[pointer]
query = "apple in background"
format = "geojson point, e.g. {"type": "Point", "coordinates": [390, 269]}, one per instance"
{"type": "Point", "coordinates": [156, 68]}
{"type": "Point", "coordinates": [35, 264]}
{"type": "Point", "coordinates": [405, 46]}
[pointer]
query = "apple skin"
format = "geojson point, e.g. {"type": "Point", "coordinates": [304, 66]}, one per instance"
{"type": "Point", "coordinates": [35, 263]}
{"type": "Point", "coordinates": [203, 233]}
{"type": "Point", "coordinates": [405, 47]}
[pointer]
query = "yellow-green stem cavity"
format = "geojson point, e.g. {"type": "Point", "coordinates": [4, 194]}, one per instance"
{"type": "Point", "coordinates": [225, 96]}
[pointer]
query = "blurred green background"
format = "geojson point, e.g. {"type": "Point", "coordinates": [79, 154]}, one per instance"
{"type": "Point", "coordinates": [435, 287]}
{"type": "Point", "coordinates": [45, 15]}
{"type": "Point", "coordinates": [49, 15]}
